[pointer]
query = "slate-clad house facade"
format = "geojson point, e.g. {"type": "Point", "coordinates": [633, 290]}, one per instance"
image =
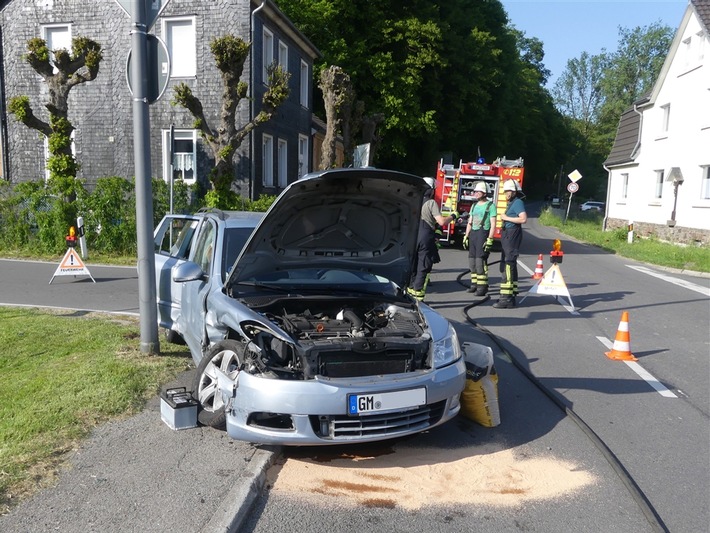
{"type": "Point", "coordinates": [659, 166]}
{"type": "Point", "coordinates": [274, 154]}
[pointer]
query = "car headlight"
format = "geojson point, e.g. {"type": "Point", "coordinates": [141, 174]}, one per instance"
{"type": "Point", "coordinates": [447, 349]}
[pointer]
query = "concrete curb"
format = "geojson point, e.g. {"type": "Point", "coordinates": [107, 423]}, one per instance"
{"type": "Point", "coordinates": [238, 502]}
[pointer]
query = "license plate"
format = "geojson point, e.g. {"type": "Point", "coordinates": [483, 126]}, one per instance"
{"type": "Point", "coordinates": [385, 401]}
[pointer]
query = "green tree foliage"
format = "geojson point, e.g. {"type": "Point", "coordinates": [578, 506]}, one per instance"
{"type": "Point", "coordinates": [593, 92]}
{"type": "Point", "coordinates": [225, 137]}
{"type": "Point", "coordinates": [62, 70]}
{"type": "Point", "coordinates": [448, 77]}
{"type": "Point", "coordinates": [578, 91]}
{"type": "Point", "coordinates": [632, 71]}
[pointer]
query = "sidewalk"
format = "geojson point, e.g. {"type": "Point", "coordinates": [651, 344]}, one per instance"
{"type": "Point", "coordinates": [138, 475]}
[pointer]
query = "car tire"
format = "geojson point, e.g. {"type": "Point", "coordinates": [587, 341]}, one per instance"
{"type": "Point", "coordinates": [227, 356]}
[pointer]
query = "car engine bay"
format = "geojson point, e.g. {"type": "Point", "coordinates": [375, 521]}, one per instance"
{"type": "Point", "coordinates": [336, 337]}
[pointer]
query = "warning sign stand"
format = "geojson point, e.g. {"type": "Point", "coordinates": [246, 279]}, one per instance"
{"type": "Point", "coordinates": [551, 283]}
{"type": "Point", "coordinates": [72, 265]}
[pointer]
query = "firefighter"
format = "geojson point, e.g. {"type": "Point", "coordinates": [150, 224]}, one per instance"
{"type": "Point", "coordinates": [427, 251]}
{"type": "Point", "coordinates": [478, 238]}
{"type": "Point", "coordinates": [511, 238]}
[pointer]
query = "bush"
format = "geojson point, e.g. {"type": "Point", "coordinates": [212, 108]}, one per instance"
{"type": "Point", "coordinates": [36, 216]}
{"type": "Point", "coordinates": [109, 214]}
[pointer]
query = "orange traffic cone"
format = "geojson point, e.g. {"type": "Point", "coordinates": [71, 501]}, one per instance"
{"type": "Point", "coordinates": [539, 274]}
{"type": "Point", "coordinates": [621, 350]}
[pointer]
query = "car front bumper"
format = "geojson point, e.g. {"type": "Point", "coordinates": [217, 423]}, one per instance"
{"type": "Point", "coordinates": [315, 412]}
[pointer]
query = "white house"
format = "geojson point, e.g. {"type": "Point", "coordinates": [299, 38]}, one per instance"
{"type": "Point", "coordinates": [659, 166]}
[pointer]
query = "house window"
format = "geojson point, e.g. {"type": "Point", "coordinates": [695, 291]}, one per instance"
{"type": "Point", "coordinates": [700, 38]}
{"type": "Point", "coordinates": [179, 36]}
{"type": "Point", "coordinates": [705, 190]}
{"type": "Point", "coordinates": [184, 163]}
{"type": "Point", "coordinates": [283, 55]}
{"type": "Point", "coordinates": [57, 36]}
{"type": "Point", "coordinates": [687, 50]}
{"type": "Point", "coordinates": [267, 160]}
{"type": "Point", "coordinates": [268, 54]}
{"type": "Point", "coordinates": [283, 163]}
{"type": "Point", "coordinates": [625, 186]}
{"type": "Point", "coordinates": [303, 167]}
{"type": "Point", "coordinates": [659, 184]}
{"type": "Point", "coordinates": [305, 85]}
{"type": "Point", "coordinates": [665, 121]}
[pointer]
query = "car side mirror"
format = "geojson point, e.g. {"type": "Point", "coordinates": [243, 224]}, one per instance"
{"type": "Point", "coordinates": [187, 271]}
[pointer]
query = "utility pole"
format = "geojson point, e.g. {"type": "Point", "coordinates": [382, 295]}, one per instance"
{"type": "Point", "coordinates": [149, 342]}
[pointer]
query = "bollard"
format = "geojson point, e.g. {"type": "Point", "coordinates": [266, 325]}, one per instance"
{"type": "Point", "coordinates": [82, 239]}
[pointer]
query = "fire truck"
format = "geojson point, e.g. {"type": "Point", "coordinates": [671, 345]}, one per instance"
{"type": "Point", "coordinates": [454, 190]}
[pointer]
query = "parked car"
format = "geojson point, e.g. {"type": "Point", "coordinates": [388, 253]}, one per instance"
{"type": "Point", "coordinates": [310, 337]}
{"type": "Point", "coordinates": [592, 206]}
{"type": "Point", "coordinates": [555, 201]}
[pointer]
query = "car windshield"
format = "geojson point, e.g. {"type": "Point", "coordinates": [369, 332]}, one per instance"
{"type": "Point", "coordinates": [331, 279]}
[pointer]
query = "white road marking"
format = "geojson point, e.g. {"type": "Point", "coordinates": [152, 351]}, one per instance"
{"type": "Point", "coordinates": [642, 372]}
{"type": "Point", "coordinates": [670, 279]}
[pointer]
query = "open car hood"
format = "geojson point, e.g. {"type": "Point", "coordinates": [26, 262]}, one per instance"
{"type": "Point", "coordinates": [358, 219]}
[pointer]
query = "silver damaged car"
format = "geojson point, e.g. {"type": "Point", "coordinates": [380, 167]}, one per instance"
{"type": "Point", "coordinates": [310, 337]}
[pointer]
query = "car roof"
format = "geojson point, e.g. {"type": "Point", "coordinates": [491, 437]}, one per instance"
{"type": "Point", "coordinates": [233, 219]}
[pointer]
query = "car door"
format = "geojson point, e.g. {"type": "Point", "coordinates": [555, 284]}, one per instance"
{"type": "Point", "coordinates": [194, 293]}
{"type": "Point", "coordinates": [173, 242]}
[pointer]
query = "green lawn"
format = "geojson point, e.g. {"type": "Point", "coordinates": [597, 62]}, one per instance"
{"type": "Point", "coordinates": [60, 376]}
{"type": "Point", "coordinates": [587, 227]}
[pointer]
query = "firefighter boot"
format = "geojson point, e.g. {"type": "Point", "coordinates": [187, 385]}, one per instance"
{"type": "Point", "coordinates": [505, 302]}
{"type": "Point", "coordinates": [419, 295]}
{"type": "Point", "coordinates": [481, 290]}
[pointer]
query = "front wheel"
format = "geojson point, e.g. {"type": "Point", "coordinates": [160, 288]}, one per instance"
{"type": "Point", "coordinates": [227, 356]}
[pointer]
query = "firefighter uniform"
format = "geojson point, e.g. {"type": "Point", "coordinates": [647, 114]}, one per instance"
{"type": "Point", "coordinates": [427, 250]}
{"type": "Point", "coordinates": [510, 241]}
{"type": "Point", "coordinates": [479, 238]}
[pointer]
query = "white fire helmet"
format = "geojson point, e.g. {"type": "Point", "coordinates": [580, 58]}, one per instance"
{"type": "Point", "coordinates": [430, 182]}
{"type": "Point", "coordinates": [511, 185]}
{"type": "Point", "coordinates": [479, 186]}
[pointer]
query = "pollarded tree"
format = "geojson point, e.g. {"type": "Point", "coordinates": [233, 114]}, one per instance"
{"type": "Point", "coordinates": [338, 98]}
{"type": "Point", "coordinates": [62, 70]}
{"type": "Point", "coordinates": [230, 53]}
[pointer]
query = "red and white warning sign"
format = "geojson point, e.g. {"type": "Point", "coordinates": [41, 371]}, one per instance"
{"type": "Point", "coordinates": [551, 283]}
{"type": "Point", "coordinates": [72, 265]}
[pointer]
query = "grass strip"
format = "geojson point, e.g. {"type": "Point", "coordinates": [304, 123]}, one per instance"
{"type": "Point", "coordinates": [60, 376]}
{"type": "Point", "coordinates": [587, 227]}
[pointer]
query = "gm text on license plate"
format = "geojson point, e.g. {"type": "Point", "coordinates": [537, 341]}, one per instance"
{"type": "Point", "coordinates": [385, 401]}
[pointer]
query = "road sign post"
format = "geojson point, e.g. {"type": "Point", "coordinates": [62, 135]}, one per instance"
{"type": "Point", "coordinates": [143, 14]}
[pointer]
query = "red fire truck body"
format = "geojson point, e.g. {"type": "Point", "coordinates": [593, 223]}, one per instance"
{"type": "Point", "coordinates": [454, 190]}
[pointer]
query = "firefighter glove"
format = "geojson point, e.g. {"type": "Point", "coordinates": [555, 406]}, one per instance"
{"type": "Point", "coordinates": [488, 245]}
{"type": "Point", "coordinates": [455, 215]}
{"type": "Point", "coordinates": [465, 242]}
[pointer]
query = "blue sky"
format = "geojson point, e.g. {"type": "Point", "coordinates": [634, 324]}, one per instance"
{"type": "Point", "coordinates": [574, 26]}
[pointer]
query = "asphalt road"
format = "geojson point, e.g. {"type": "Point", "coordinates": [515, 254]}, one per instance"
{"type": "Point", "coordinates": [28, 283]}
{"type": "Point", "coordinates": [643, 428]}
{"type": "Point", "coordinates": [661, 439]}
